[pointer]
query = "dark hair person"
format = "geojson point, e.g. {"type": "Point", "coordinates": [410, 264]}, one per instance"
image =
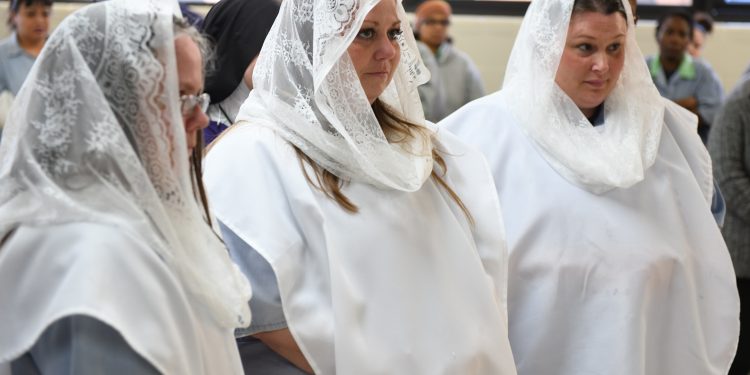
{"type": "Point", "coordinates": [29, 21]}
{"type": "Point", "coordinates": [689, 82]}
{"type": "Point", "coordinates": [616, 264]}
{"type": "Point", "coordinates": [238, 29]}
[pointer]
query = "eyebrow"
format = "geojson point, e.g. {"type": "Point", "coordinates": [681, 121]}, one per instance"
{"type": "Point", "coordinates": [589, 37]}
{"type": "Point", "coordinates": [376, 23]}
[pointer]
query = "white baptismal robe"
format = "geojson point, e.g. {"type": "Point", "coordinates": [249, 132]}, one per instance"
{"type": "Point", "coordinates": [404, 286]}
{"type": "Point", "coordinates": [101, 271]}
{"type": "Point", "coordinates": [632, 281]}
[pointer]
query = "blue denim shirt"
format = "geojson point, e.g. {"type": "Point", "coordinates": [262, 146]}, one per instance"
{"type": "Point", "coordinates": [693, 78]}
{"type": "Point", "coordinates": [15, 65]}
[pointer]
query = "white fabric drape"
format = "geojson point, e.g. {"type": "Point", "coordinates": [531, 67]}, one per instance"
{"type": "Point", "coordinates": [95, 135]}
{"type": "Point", "coordinates": [404, 286]}
{"type": "Point", "coordinates": [623, 273]}
{"type": "Point", "coordinates": [305, 86]}
{"type": "Point", "coordinates": [614, 155]}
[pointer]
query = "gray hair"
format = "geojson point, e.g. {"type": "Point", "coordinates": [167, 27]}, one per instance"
{"type": "Point", "coordinates": [182, 27]}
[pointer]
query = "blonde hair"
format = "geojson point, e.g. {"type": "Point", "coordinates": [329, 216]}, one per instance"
{"type": "Point", "coordinates": [397, 130]}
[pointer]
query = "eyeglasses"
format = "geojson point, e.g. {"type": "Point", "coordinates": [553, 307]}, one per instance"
{"type": "Point", "coordinates": [189, 102]}
{"type": "Point", "coordinates": [433, 22]}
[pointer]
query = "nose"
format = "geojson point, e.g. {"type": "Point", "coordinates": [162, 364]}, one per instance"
{"type": "Point", "coordinates": [196, 120]}
{"type": "Point", "coordinates": [201, 119]}
{"type": "Point", "coordinates": [601, 63]}
{"type": "Point", "coordinates": [386, 48]}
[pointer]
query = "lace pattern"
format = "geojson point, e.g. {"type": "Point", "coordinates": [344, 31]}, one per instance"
{"type": "Point", "coordinates": [615, 154]}
{"type": "Point", "coordinates": [306, 87]}
{"type": "Point", "coordinates": [97, 135]}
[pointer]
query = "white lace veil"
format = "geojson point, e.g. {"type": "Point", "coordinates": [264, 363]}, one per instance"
{"type": "Point", "coordinates": [96, 134]}
{"type": "Point", "coordinates": [613, 155]}
{"type": "Point", "coordinates": [305, 87]}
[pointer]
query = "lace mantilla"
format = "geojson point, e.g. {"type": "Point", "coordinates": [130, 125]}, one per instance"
{"type": "Point", "coordinates": [96, 135]}
{"type": "Point", "coordinates": [306, 87]}
{"type": "Point", "coordinates": [613, 155]}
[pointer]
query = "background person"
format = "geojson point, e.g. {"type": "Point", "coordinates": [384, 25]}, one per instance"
{"type": "Point", "coordinates": [729, 145]}
{"type": "Point", "coordinates": [29, 20]}
{"type": "Point", "coordinates": [238, 29]}
{"type": "Point", "coordinates": [454, 79]}
{"type": "Point", "coordinates": [680, 78]}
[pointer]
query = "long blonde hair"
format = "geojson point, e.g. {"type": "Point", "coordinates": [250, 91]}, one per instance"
{"type": "Point", "coordinates": [397, 130]}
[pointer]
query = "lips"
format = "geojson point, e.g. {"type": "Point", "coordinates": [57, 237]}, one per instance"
{"type": "Point", "coordinates": [596, 83]}
{"type": "Point", "coordinates": [381, 74]}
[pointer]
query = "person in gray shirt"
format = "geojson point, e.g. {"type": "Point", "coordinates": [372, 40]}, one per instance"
{"type": "Point", "coordinates": [455, 80]}
{"type": "Point", "coordinates": [729, 145]}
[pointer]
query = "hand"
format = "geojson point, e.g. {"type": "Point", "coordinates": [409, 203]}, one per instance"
{"type": "Point", "coordinates": [282, 342]}
{"type": "Point", "coordinates": [689, 103]}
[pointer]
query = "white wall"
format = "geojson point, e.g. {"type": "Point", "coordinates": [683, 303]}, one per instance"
{"type": "Point", "coordinates": [489, 39]}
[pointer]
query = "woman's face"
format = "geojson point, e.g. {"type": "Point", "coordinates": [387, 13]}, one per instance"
{"type": "Point", "coordinates": [375, 51]}
{"type": "Point", "coordinates": [592, 59]}
{"type": "Point", "coordinates": [190, 76]}
{"type": "Point", "coordinates": [32, 21]}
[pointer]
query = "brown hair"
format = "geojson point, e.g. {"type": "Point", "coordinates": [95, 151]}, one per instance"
{"type": "Point", "coordinates": [606, 7]}
{"type": "Point", "coordinates": [397, 130]}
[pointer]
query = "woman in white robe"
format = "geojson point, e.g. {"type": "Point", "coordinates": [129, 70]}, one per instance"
{"type": "Point", "coordinates": [107, 264]}
{"type": "Point", "coordinates": [616, 265]}
{"type": "Point", "coordinates": [382, 234]}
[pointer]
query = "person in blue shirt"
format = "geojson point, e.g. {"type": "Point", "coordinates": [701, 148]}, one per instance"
{"type": "Point", "coordinates": [681, 78]}
{"type": "Point", "coordinates": [29, 21]}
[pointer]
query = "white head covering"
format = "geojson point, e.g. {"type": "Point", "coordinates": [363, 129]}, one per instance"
{"type": "Point", "coordinates": [96, 135]}
{"type": "Point", "coordinates": [601, 158]}
{"type": "Point", "coordinates": [305, 86]}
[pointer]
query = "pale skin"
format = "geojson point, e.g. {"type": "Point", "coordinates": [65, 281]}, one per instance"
{"type": "Point", "coordinates": [592, 59]}
{"type": "Point", "coordinates": [32, 25]}
{"type": "Point", "coordinates": [375, 54]}
{"type": "Point", "coordinates": [190, 77]}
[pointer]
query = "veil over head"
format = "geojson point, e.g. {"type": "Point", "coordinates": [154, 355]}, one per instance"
{"type": "Point", "coordinates": [306, 88]}
{"type": "Point", "coordinates": [96, 135]}
{"type": "Point", "coordinates": [613, 155]}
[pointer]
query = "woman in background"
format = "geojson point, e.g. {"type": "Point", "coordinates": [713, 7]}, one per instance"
{"type": "Point", "coordinates": [454, 78]}
{"type": "Point", "coordinates": [238, 29]}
